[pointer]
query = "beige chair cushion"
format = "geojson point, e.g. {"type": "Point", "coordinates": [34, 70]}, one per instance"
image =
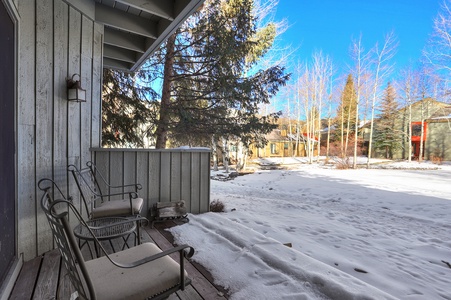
{"type": "Point", "coordinates": [111, 282]}
{"type": "Point", "coordinates": [117, 208]}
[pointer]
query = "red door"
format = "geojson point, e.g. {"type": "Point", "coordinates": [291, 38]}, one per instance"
{"type": "Point", "coordinates": [7, 170]}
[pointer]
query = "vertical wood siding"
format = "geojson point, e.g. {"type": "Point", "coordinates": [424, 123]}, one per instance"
{"type": "Point", "coordinates": [56, 41]}
{"type": "Point", "coordinates": [27, 242]}
{"type": "Point", "coordinates": [166, 175]}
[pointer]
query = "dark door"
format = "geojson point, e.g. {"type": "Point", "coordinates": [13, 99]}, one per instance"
{"type": "Point", "coordinates": [7, 194]}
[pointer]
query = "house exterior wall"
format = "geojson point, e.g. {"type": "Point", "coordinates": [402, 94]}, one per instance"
{"type": "Point", "coordinates": [280, 149]}
{"type": "Point", "coordinates": [56, 40]}
{"type": "Point", "coordinates": [438, 143]}
{"type": "Point", "coordinates": [421, 110]}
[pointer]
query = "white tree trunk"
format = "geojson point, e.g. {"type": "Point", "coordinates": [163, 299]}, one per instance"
{"type": "Point", "coordinates": [225, 154]}
{"type": "Point", "coordinates": [240, 157]}
{"type": "Point", "coordinates": [215, 153]}
{"type": "Point", "coordinates": [382, 69]}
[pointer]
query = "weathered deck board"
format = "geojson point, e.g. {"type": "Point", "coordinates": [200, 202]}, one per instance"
{"type": "Point", "coordinates": [45, 277]}
{"type": "Point", "coordinates": [47, 283]}
{"type": "Point", "coordinates": [26, 280]}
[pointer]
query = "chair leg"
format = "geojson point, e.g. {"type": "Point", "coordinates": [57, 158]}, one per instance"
{"type": "Point", "coordinates": [112, 247]}
{"type": "Point", "coordinates": [125, 239]}
{"type": "Point", "coordinates": [138, 231]}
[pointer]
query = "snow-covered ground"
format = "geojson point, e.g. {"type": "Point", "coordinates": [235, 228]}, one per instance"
{"type": "Point", "coordinates": [355, 234]}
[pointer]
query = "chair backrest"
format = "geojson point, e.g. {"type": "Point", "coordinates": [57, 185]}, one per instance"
{"type": "Point", "coordinates": [91, 182]}
{"type": "Point", "coordinates": [57, 211]}
{"type": "Point", "coordinates": [87, 185]}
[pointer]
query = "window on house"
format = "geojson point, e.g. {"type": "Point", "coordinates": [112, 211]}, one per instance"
{"type": "Point", "coordinates": [285, 146]}
{"type": "Point", "coordinates": [273, 148]}
{"type": "Point", "coordinates": [416, 129]}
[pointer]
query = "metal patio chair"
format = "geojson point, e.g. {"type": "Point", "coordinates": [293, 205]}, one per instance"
{"type": "Point", "coordinates": [141, 272]}
{"type": "Point", "coordinates": [99, 204]}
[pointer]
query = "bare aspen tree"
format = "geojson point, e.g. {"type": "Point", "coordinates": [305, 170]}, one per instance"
{"type": "Point", "coordinates": [424, 88]}
{"type": "Point", "coordinates": [381, 69]}
{"type": "Point", "coordinates": [361, 62]}
{"type": "Point", "coordinates": [300, 95]}
{"type": "Point", "coordinates": [225, 154]}
{"type": "Point", "coordinates": [306, 98]}
{"type": "Point", "coordinates": [214, 153]}
{"type": "Point", "coordinates": [329, 111]}
{"type": "Point", "coordinates": [322, 66]}
{"type": "Point", "coordinates": [312, 93]}
{"type": "Point", "coordinates": [408, 87]}
{"type": "Point", "coordinates": [298, 110]}
{"type": "Point", "coordinates": [292, 118]}
{"type": "Point", "coordinates": [437, 53]}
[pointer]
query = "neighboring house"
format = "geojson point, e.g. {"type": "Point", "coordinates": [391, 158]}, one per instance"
{"type": "Point", "coordinates": [436, 117]}
{"type": "Point", "coordinates": [438, 141]}
{"type": "Point", "coordinates": [43, 44]}
{"type": "Point", "coordinates": [281, 144]}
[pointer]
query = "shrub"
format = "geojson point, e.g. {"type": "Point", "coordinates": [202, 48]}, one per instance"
{"type": "Point", "coordinates": [438, 160]}
{"type": "Point", "coordinates": [217, 206]}
{"type": "Point", "coordinates": [343, 163]}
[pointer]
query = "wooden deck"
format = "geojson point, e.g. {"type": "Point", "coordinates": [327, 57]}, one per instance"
{"type": "Point", "coordinates": [45, 278]}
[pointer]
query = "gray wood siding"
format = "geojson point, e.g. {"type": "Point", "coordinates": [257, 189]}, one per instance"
{"type": "Point", "coordinates": [167, 175]}
{"type": "Point", "coordinates": [56, 40]}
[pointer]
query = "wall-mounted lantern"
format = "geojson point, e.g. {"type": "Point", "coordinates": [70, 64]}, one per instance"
{"type": "Point", "coordinates": [74, 90]}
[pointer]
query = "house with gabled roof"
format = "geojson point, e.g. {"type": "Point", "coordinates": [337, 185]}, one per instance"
{"type": "Point", "coordinates": [431, 115]}
{"type": "Point", "coordinates": [280, 143]}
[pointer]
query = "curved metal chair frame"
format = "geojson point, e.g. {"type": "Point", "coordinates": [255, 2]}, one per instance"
{"type": "Point", "coordinates": [57, 212]}
{"type": "Point", "coordinates": [89, 181]}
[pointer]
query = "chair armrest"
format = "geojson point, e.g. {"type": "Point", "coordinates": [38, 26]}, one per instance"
{"type": "Point", "coordinates": [137, 186]}
{"type": "Point", "coordinates": [188, 253]}
{"type": "Point", "coordinates": [184, 251]}
{"type": "Point", "coordinates": [132, 195]}
{"type": "Point", "coordinates": [97, 174]}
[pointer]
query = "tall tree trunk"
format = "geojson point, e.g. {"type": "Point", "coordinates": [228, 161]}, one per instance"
{"type": "Point", "coordinates": [424, 110]}
{"type": "Point", "coordinates": [225, 154]}
{"type": "Point", "coordinates": [410, 131]}
{"type": "Point", "coordinates": [328, 138]}
{"type": "Point", "coordinates": [161, 133]}
{"type": "Point", "coordinates": [215, 153]}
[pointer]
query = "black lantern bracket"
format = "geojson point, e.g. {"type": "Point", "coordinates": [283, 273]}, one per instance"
{"type": "Point", "coordinates": [74, 90]}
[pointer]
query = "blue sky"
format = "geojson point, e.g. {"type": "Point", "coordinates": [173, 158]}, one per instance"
{"type": "Point", "coordinates": [330, 25]}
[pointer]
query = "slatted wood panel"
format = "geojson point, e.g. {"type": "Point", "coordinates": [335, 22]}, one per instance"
{"type": "Point", "coordinates": [56, 40]}
{"type": "Point", "coordinates": [168, 175]}
{"type": "Point", "coordinates": [44, 106]}
{"type": "Point", "coordinates": [61, 13]}
{"type": "Point", "coordinates": [27, 242]}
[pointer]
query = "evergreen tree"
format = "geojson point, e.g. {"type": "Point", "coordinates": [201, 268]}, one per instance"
{"type": "Point", "coordinates": [346, 114]}
{"type": "Point", "coordinates": [385, 136]}
{"type": "Point", "coordinates": [125, 109]}
{"type": "Point", "coordinates": [206, 90]}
